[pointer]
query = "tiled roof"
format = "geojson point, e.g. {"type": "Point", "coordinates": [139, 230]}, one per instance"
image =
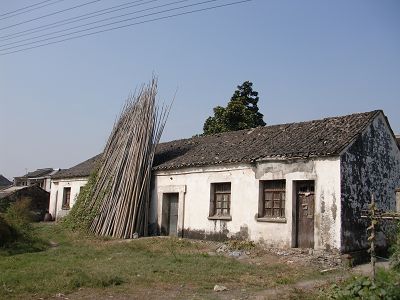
{"type": "Point", "coordinates": [81, 170]}
{"type": "Point", "coordinates": [8, 191]}
{"type": "Point", "coordinates": [318, 138]}
{"type": "Point", "coordinates": [38, 173]}
{"type": "Point", "coordinates": [4, 181]}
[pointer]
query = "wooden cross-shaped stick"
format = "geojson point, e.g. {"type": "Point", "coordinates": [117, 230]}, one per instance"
{"type": "Point", "coordinates": [374, 214]}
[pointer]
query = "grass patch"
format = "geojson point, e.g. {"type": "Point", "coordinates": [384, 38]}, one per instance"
{"type": "Point", "coordinates": [77, 261]}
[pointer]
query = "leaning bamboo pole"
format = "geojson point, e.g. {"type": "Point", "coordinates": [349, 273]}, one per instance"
{"type": "Point", "coordinates": [121, 193]}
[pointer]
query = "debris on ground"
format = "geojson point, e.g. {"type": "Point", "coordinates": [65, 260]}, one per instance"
{"type": "Point", "coordinates": [220, 288]}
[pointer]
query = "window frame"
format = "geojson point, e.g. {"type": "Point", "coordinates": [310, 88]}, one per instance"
{"type": "Point", "coordinates": [218, 190]}
{"type": "Point", "coordinates": [276, 187]}
{"type": "Point", "coordinates": [66, 200]}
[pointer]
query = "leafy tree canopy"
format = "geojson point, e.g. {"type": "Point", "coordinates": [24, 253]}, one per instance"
{"type": "Point", "coordinates": [240, 113]}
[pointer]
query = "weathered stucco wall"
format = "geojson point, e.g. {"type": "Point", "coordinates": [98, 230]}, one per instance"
{"type": "Point", "coordinates": [56, 195]}
{"type": "Point", "coordinates": [370, 165]}
{"type": "Point", "coordinates": [194, 184]}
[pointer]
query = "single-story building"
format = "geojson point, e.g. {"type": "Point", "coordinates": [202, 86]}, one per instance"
{"type": "Point", "coordinates": [66, 185]}
{"type": "Point", "coordinates": [289, 185]}
{"type": "Point", "coordinates": [40, 177]}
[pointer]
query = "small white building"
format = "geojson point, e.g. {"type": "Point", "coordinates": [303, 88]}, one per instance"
{"type": "Point", "coordinates": [40, 177]}
{"type": "Point", "coordinates": [66, 185]}
{"type": "Point", "coordinates": [290, 185]}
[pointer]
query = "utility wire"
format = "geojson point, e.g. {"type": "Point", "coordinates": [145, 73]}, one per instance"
{"type": "Point", "coordinates": [22, 8]}
{"type": "Point", "coordinates": [104, 25]}
{"type": "Point", "coordinates": [29, 10]}
{"type": "Point", "coordinates": [76, 19]}
{"type": "Point", "coordinates": [129, 25]}
{"type": "Point", "coordinates": [51, 14]}
{"type": "Point", "coordinates": [102, 20]}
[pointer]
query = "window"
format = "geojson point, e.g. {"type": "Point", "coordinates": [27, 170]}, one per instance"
{"type": "Point", "coordinates": [220, 204]}
{"type": "Point", "coordinates": [273, 201]}
{"type": "Point", "coordinates": [66, 197]}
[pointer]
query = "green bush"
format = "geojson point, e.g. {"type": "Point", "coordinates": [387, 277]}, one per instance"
{"type": "Point", "coordinates": [17, 234]}
{"type": "Point", "coordinates": [386, 286]}
{"type": "Point", "coordinates": [19, 217]}
{"type": "Point", "coordinates": [6, 232]}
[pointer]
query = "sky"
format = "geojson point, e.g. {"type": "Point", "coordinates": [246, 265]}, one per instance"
{"type": "Point", "coordinates": [308, 59]}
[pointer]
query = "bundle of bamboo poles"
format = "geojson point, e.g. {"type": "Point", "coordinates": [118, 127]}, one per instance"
{"type": "Point", "coordinates": [121, 195]}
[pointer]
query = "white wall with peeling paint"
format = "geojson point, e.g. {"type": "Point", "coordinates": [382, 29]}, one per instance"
{"type": "Point", "coordinates": [369, 165]}
{"type": "Point", "coordinates": [194, 202]}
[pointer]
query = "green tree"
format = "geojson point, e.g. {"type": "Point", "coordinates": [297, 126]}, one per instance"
{"type": "Point", "coordinates": [240, 113]}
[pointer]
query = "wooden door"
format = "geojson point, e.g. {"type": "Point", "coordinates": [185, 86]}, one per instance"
{"type": "Point", "coordinates": [305, 214]}
{"type": "Point", "coordinates": [173, 214]}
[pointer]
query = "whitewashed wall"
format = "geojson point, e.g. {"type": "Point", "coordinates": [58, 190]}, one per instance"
{"type": "Point", "coordinates": [56, 195]}
{"type": "Point", "coordinates": [193, 186]}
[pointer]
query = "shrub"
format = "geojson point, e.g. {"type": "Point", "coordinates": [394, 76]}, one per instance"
{"type": "Point", "coordinates": [19, 217]}
{"type": "Point", "coordinates": [386, 286]}
{"type": "Point", "coordinates": [6, 232]}
{"type": "Point", "coordinates": [16, 232]}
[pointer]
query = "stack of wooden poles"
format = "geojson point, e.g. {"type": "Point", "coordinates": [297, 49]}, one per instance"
{"type": "Point", "coordinates": [121, 194]}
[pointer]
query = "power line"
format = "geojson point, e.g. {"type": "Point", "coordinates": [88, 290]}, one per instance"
{"type": "Point", "coordinates": [104, 25]}
{"type": "Point", "coordinates": [103, 20]}
{"type": "Point", "coordinates": [22, 8]}
{"type": "Point", "coordinates": [49, 26]}
{"type": "Point", "coordinates": [29, 10]}
{"type": "Point", "coordinates": [51, 14]}
{"type": "Point", "coordinates": [75, 19]}
{"type": "Point", "coordinates": [129, 25]}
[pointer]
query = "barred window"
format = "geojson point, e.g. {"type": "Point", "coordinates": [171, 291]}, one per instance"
{"type": "Point", "coordinates": [274, 199]}
{"type": "Point", "coordinates": [221, 201]}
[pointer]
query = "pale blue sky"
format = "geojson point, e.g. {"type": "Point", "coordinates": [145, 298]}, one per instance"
{"type": "Point", "coordinates": [307, 59]}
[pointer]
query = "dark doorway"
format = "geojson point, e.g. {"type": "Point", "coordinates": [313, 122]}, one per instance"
{"type": "Point", "coordinates": [172, 202]}
{"type": "Point", "coordinates": [305, 214]}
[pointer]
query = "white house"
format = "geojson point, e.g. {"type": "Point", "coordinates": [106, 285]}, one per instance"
{"type": "Point", "coordinates": [289, 185]}
{"type": "Point", "coordinates": [40, 177]}
{"type": "Point", "coordinates": [66, 185]}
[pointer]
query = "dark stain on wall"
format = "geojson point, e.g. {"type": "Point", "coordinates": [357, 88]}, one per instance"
{"type": "Point", "coordinates": [370, 165]}
{"type": "Point", "coordinates": [203, 235]}
{"type": "Point", "coordinates": [154, 229]}
{"type": "Point", "coordinates": [217, 235]}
